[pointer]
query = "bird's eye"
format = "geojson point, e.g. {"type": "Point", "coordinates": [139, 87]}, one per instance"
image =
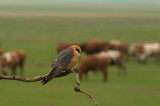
{"type": "Point", "coordinates": [78, 50]}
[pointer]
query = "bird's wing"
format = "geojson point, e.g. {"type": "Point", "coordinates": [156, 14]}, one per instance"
{"type": "Point", "coordinates": [60, 64]}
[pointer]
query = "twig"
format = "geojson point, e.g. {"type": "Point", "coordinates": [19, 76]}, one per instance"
{"type": "Point", "coordinates": [77, 89]}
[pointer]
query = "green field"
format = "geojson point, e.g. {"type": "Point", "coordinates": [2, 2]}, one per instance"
{"type": "Point", "coordinates": [39, 37]}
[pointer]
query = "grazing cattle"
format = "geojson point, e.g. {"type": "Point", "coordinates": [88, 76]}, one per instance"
{"type": "Point", "coordinates": [91, 47]}
{"type": "Point", "coordinates": [116, 45]}
{"type": "Point", "coordinates": [148, 49]}
{"type": "Point", "coordinates": [63, 45]}
{"type": "Point", "coordinates": [93, 63]}
{"type": "Point", "coordinates": [11, 60]}
{"type": "Point", "coordinates": [114, 57]}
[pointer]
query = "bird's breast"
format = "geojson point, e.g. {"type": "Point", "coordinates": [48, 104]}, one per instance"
{"type": "Point", "coordinates": [73, 61]}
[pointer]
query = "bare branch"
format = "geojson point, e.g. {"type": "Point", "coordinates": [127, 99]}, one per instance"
{"type": "Point", "coordinates": [77, 89]}
{"type": "Point", "coordinates": [34, 79]}
{"type": "Point", "coordinates": [39, 78]}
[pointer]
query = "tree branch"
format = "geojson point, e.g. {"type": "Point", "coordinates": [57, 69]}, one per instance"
{"type": "Point", "coordinates": [39, 78]}
{"type": "Point", "coordinates": [77, 89]}
{"type": "Point", "coordinates": [34, 79]}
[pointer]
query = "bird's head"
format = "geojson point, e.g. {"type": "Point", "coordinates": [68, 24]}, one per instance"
{"type": "Point", "coordinates": [76, 49]}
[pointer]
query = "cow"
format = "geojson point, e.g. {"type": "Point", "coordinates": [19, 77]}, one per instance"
{"type": "Point", "coordinates": [12, 59]}
{"type": "Point", "coordinates": [91, 47]}
{"type": "Point", "coordinates": [93, 63]}
{"type": "Point", "coordinates": [114, 57]}
{"type": "Point", "coordinates": [146, 50]}
{"type": "Point", "coordinates": [117, 45]}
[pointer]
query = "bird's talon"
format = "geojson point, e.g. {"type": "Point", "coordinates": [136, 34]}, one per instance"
{"type": "Point", "coordinates": [77, 89]}
{"type": "Point", "coordinates": [76, 70]}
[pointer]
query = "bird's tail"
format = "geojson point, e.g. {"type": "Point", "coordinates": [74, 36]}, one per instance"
{"type": "Point", "coordinates": [47, 79]}
{"type": "Point", "coordinates": [52, 75]}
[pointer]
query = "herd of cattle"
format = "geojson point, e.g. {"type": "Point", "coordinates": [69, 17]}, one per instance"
{"type": "Point", "coordinates": [99, 56]}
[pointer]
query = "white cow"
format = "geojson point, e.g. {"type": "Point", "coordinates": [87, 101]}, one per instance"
{"type": "Point", "coordinates": [114, 57]}
{"type": "Point", "coordinates": [148, 49]}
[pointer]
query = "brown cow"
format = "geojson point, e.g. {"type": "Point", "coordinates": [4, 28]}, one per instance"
{"type": "Point", "coordinates": [116, 45]}
{"type": "Point", "coordinates": [92, 47]}
{"type": "Point", "coordinates": [11, 60]}
{"type": "Point", "coordinates": [93, 62]}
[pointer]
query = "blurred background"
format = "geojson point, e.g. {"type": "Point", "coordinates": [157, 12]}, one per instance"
{"type": "Point", "coordinates": [37, 26]}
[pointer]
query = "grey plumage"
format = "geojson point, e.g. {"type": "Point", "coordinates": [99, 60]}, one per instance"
{"type": "Point", "coordinates": [60, 64]}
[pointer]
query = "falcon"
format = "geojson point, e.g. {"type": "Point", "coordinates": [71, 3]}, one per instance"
{"type": "Point", "coordinates": [65, 61]}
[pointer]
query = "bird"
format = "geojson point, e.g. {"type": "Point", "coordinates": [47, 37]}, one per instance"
{"type": "Point", "coordinates": [65, 61]}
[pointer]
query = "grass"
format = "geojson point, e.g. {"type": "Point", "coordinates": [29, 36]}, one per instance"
{"type": "Point", "coordinates": [39, 38]}
{"type": "Point", "coordinates": [78, 8]}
